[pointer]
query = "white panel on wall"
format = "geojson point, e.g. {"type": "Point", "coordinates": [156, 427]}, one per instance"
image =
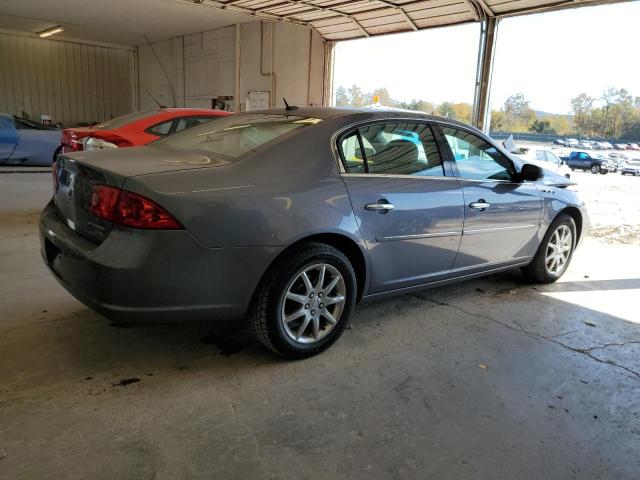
{"type": "Point", "coordinates": [73, 83]}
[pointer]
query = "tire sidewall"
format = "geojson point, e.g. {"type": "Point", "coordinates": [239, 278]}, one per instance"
{"type": "Point", "coordinates": [281, 340]}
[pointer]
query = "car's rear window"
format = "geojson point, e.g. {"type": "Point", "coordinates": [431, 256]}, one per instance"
{"type": "Point", "coordinates": [125, 119]}
{"type": "Point", "coordinates": [236, 135]}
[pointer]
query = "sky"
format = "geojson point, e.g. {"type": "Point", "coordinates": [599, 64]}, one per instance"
{"type": "Point", "coordinates": [550, 57]}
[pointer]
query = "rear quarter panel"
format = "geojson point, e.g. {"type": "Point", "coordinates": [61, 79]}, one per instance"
{"type": "Point", "coordinates": [286, 193]}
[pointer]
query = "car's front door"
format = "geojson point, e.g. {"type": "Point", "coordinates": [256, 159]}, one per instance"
{"type": "Point", "coordinates": [501, 214]}
{"type": "Point", "coordinates": [410, 214]}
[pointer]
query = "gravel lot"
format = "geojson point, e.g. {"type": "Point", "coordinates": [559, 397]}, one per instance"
{"type": "Point", "coordinates": [613, 202]}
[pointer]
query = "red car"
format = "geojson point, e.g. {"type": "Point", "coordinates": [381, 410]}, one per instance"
{"type": "Point", "coordinates": [135, 129]}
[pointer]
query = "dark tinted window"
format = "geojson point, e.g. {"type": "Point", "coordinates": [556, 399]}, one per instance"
{"type": "Point", "coordinates": [185, 123]}
{"type": "Point", "coordinates": [161, 129]}
{"type": "Point", "coordinates": [475, 158]}
{"type": "Point", "coordinates": [236, 135]}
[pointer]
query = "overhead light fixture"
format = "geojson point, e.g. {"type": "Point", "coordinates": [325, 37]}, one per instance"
{"type": "Point", "coordinates": [51, 31]}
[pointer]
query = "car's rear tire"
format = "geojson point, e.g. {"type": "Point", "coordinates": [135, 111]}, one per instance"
{"type": "Point", "coordinates": [554, 253]}
{"type": "Point", "coordinates": [290, 312]}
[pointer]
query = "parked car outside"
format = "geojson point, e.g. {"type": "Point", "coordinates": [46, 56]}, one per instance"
{"type": "Point", "coordinates": [571, 142]}
{"type": "Point", "coordinates": [586, 145]}
{"type": "Point", "coordinates": [559, 141]}
{"type": "Point", "coordinates": [545, 159]}
{"type": "Point", "coordinates": [587, 162]}
{"type": "Point", "coordinates": [606, 146]}
{"type": "Point", "coordinates": [28, 143]}
{"type": "Point", "coordinates": [620, 146]}
{"type": "Point", "coordinates": [288, 217]}
{"type": "Point", "coordinates": [630, 167]}
{"type": "Point", "coordinates": [633, 146]}
{"type": "Point", "coordinates": [135, 129]}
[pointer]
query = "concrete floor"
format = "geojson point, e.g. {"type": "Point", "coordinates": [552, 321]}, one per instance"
{"type": "Point", "coordinates": [486, 379]}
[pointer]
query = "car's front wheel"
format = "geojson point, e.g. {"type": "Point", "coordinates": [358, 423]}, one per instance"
{"type": "Point", "coordinates": [554, 253]}
{"type": "Point", "coordinates": [305, 300]}
{"type": "Point", "coordinates": [595, 169]}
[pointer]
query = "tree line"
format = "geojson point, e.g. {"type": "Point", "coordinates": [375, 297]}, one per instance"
{"type": "Point", "coordinates": [615, 114]}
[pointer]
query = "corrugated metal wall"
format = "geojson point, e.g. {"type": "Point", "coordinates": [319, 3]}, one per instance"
{"type": "Point", "coordinates": [71, 82]}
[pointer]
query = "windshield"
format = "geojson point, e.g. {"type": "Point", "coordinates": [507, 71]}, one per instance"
{"type": "Point", "coordinates": [125, 119]}
{"type": "Point", "coordinates": [236, 135]}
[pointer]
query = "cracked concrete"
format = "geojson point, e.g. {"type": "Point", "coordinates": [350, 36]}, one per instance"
{"type": "Point", "coordinates": [491, 378]}
{"type": "Point", "coordinates": [587, 351]}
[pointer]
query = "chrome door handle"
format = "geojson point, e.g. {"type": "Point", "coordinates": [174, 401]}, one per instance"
{"type": "Point", "coordinates": [479, 205]}
{"type": "Point", "coordinates": [379, 207]}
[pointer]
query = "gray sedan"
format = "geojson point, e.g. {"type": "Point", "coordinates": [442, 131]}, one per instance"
{"type": "Point", "coordinates": [289, 217]}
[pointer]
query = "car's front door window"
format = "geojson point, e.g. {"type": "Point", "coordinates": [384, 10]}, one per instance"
{"type": "Point", "coordinates": [475, 158]}
{"type": "Point", "coordinates": [400, 148]}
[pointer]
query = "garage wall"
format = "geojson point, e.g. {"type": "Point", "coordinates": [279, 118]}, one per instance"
{"type": "Point", "coordinates": [297, 56]}
{"type": "Point", "coordinates": [153, 82]}
{"type": "Point", "coordinates": [72, 82]}
{"type": "Point", "coordinates": [202, 66]}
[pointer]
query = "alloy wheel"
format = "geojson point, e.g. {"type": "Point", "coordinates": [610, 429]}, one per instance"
{"type": "Point", "coordinates": [313, 303]}
{"type": "Point", "coordinates": [559, 250]}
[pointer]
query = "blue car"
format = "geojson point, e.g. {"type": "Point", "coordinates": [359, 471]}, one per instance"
{"type": "Point", "coordinates": [25, 142]}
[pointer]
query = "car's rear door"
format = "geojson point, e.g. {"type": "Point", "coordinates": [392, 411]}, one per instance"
{"type": "Point", "coordinates": [409, 213]}
{"type": "Point", "coordinates": [501, 215]}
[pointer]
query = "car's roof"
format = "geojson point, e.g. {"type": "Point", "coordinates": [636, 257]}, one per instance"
{"type": "Point", "coordinates": [193, 111]}
{"type": "Point", "coordinates": [325, 113]}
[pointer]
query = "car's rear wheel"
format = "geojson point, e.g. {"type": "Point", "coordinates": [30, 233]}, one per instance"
{"type": "Point", "coordinates": [554, 253]}
{"type": "Point", "coordinates": [304, 302]}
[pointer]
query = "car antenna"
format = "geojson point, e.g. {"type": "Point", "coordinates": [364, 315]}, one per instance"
{"type": "Point", "coordinates": [155, 99]}
{"type": "Point", "coordinates": [288, 107]}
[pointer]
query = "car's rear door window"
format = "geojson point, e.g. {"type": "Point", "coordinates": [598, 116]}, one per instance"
{"type": "Point", "coordinates": [392, 148]}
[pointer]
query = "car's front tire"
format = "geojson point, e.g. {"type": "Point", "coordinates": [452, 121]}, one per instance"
{"type": "Point", "coordinates": [595, 169]}
{"type": "Point", "coordinates": [304, 302]}
{"type": "Point", "coordinates": [554, 253]}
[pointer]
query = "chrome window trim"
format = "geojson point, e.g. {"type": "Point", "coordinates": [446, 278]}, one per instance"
{"type": "Point", "coordinates": [356, 124]}
{"type": "Point", "coordinates": [436, 121]}
{"type": "Point", "coordinates": [395, 175]}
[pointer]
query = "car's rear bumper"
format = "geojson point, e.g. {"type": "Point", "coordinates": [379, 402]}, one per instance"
{"type": "Point", "coordinates": [159, 276]}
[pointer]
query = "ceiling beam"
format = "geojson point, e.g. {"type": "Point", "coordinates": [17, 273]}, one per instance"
{"type": "Point", "coordinates": [315, 7]}
{"type": "Point", "coordinates": [473, 10]}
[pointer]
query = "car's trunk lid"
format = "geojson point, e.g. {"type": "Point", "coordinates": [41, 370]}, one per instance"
{"type": "Point", "coordinates": [76, 174]}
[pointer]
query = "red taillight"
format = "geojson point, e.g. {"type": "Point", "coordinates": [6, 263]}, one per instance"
{"type": "Point", "coordinates": [130, 209]}
{"type": "Point", "coordinates": [71, 142]}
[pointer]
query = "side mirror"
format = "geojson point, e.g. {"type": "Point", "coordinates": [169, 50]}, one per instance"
{"type": "Point", "coordinates": [530, 172]}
